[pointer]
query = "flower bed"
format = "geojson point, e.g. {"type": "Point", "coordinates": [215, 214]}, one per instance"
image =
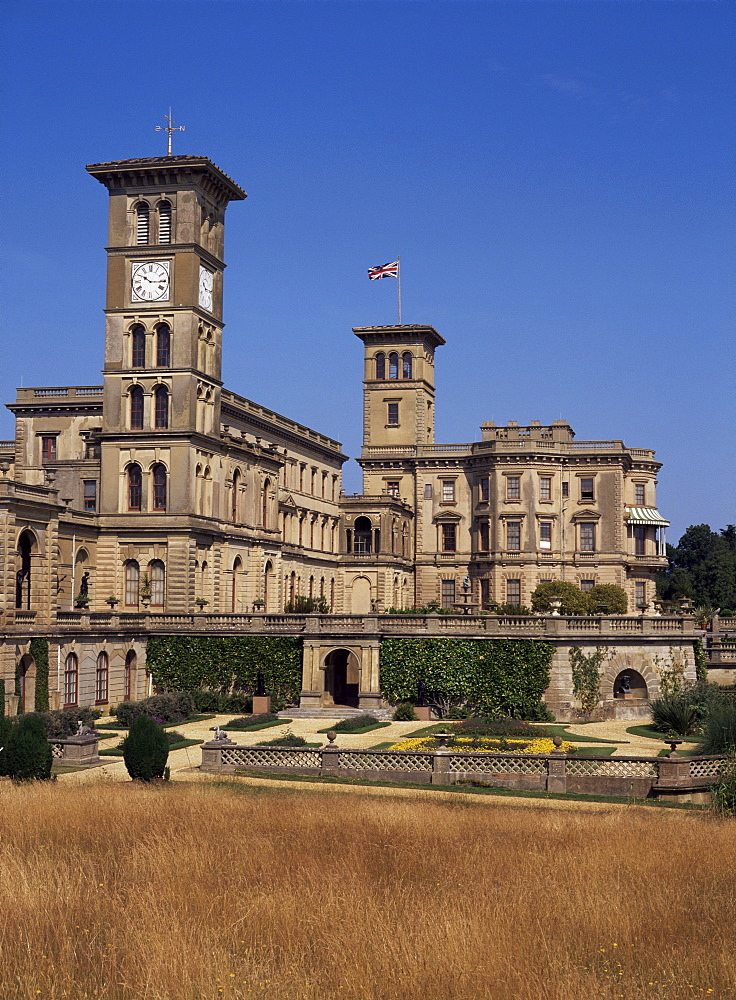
{"type": "Point", "coordinates": [467, 744]}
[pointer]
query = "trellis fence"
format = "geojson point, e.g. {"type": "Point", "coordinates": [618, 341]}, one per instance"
{"type": "Point", "coordinates": [677, 777]}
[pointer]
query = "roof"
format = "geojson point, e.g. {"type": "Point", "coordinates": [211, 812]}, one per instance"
{"type": "Point", "coordinates": [645, 515]}
{"type": "Point", "coordinates": [113, 170]}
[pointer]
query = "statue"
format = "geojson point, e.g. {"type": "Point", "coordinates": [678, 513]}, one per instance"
{"type": "Point", "coordinates": [421, 692]}
{"type": "Point", "coordinates": [466, 584]}
{"type": "Point", "coordinates": [260, 684]}
{"type": "Point", "coordinates": [84, 586]}
{"type": "Point", "coordinates": [625, 684]}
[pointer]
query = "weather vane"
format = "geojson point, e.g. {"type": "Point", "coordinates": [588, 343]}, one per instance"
{"type": "Point", "coordinates": [169, 128]}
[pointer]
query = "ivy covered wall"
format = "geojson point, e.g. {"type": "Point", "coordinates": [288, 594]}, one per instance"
{"type": "Point", "coordinates": [222, 663]}
{"type": "Point", "coordinates": [497, 675]}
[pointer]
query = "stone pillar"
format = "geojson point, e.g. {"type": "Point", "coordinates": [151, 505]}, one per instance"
{"type": "Point", "coordinates": [423, 712]}
{"type": "Point", "coordinates": [556, 771]}
{"type": "Point", "coordinates": [441, 767]}
{"type": "Point", "coordinates": [330, 764]}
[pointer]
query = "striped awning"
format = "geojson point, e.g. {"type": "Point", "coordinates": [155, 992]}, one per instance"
{"type": "Point", "coordinates": [645, 515]}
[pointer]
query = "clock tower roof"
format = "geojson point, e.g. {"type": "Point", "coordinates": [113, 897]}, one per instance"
{"type": "Point", "coordinates": [156, 171]}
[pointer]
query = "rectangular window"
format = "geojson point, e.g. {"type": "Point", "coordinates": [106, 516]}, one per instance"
{"type": "Point", "coordinates": [392, 418]}
{"type": "Point", "coordinates": [545, 535]}
{"type": "Point", "coordinates": [640, 540]}
{"type": "Point", "coordinates": [484, 536]}
{"type": "Point", "coordinates": [587, 584]}
{"type": "Point", "coordinates": [485, 591]}
{"type": "Point", "coordinates": [586, 489]}
{"type": "Point", "coordinates": [427, 491]}
{"type": "Point", "coordinates": [449, 537]}
{"type": "Point", "coordinates": [587, 537]}
{"type": "Point", "coordinates": [513, 536]}
{"type": "Point", "coordinates": [513, 487]}
{"type": "Point", "coordinates": [90, 494]}
{"type": "Point", "coordinates": [565, 490]}
{"type": "Point", "coordinates": [485, 489]}
{"type": "Point", "coordinates": [48, 449]}
{"type": "Point", "coordinates": [640, 588]}
{"type": "Point", "coordinates": [448, 593]}
{"type": "Point", "coordinates": [513, 591]}
{"type": "Point", "coordinates": [448, 491]}
{"type": "Point", "coordinates": [392, 487]}
{"type": "Point", "coordinates": [545, 487]}
{"type": "Point", "coordinates": [639, 494]}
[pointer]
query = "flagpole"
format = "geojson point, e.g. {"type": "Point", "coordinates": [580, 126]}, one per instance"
{"type": "Point", "coordinates": [398, 287]}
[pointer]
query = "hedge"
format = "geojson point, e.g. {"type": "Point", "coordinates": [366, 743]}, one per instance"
{"type": "Point", "coordinates": [39, 650]}
{"type": "Point", "coordinates": [494, 675]}
{"type": "Point", "coordinates": [189, 663]}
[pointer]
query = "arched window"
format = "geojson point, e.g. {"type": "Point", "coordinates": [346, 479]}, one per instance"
{"type": "Point", "coordinates": [381, 365]}
{"type": "Point", "coordinates": [362, 538]}
{"type": "Point", "coordinates": [159, 486]}
{"type": "Point", "coordinates": [164, 222]}
{"type": "Point", "coordinates": [142, 224]}
{"type": "Point", "coordinates": [136, 408]}
{"type": "Point", "coordinates": [26, 544]}
{"type": "Point", "coordinates": [264, 503]}
{"type": "Point", "coordinates": [267, 575]}
{"type": "Point", "coordinates": [101, 679]}
{"type": "Point", "coordinates": [406, 365]}
{"type": "Point", "coordinates": [132, 578]}
{"type": "Point", "coordinates": [393, 365]}
{"type": "Point", "coordinates": [157, 575]}
{"type": "Point", "coordinates": [130, 661]}
{"type": "Point", "coordinates": [135, 488]}
{"type": "Point", "coordinates": [161, 398]}
{"type": "Point", "coordinates": [236, 496]}
{"type": "Point", "coordinates": [71, 676]}
{"type": "Point", "coordinates": [138, 346]}
{"type": "Point", "coordinates": [237, 570]}
{"type": "Point", "coordinates": [311, 586]}
{"type": "Point", "coordinates": [163, 346]}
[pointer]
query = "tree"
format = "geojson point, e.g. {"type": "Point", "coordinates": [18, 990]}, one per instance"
{"type": "Point", "coordinates": [145, 750]}
{"type": "Point", "coordinates": [574, 600]}
{"type": "Point", "coordinates": [607, 598]}
{"type": "Point", "coordinates": [702, 566]}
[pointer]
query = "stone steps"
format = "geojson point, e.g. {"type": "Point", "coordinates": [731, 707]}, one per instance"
{"type": "Point", "coordinates": [338, 712]}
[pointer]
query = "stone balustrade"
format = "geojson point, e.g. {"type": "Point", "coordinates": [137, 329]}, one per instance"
{"type": "Point", "coordinates": [495, 626]}
{"type": "Point", "coordinates": [76, 751]}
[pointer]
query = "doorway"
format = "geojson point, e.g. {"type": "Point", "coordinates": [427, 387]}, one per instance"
{"type": "Point", "coordinates": [342, 679]}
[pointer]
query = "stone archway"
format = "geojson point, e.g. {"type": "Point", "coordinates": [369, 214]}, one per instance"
{"type": "Point", "coordinates": [629, 685]}
{"type": "Point", "coordinates": [341, 678]}
{"type": "Point", "coordinates": [26, 548]}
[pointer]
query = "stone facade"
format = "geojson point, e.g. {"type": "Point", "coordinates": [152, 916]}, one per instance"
{"type": "Point", "coordinates": [161, 492]}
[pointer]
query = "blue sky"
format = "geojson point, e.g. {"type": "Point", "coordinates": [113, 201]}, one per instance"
{"type": "Point", "coordinates": [558, 179]}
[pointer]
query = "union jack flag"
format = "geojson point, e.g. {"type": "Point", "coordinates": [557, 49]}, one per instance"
{"type": "Point", "coordinates": [384, 271]}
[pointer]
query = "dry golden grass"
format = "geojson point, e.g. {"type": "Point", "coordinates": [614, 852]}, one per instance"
{"type": "Point", "coordinates": [208, 891]}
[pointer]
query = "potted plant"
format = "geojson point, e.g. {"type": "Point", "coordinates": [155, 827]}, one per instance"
{"type": "Point", "coordinates": [257, 605]}
{"type": "Point", "coordinates": [145, 591]}
{"type": "Point", "coordinates": [112, 601]}
{"type": "Point", "coordinates": [200, 602]}
{"type": "Point", "coordinates": [81, 601]}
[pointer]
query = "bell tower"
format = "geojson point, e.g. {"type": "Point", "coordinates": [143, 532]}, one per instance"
{"type": "Point", "coordinates": [163, 312]}
{"type": "Point", "coordinates": [398, 385]}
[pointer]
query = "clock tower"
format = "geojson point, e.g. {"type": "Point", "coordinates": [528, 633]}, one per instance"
{"type": "Point", "coordinates": [163, 330]}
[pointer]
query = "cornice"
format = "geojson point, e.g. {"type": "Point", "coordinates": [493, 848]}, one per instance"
{"type": "Point", "coordinates": [158, 250]}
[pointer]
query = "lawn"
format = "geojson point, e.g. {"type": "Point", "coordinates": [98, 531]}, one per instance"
{"type": "Point", "coordinates": [220, 891]}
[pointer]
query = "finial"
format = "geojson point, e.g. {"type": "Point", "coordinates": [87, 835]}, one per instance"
{"type": "Point", "coordinates": [169, 129]}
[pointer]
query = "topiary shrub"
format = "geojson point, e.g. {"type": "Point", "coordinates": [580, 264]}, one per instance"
{"type": "Point", "coordinates": [29, 754]}
{"type": "Point", "coordinates": [145, 750]}
{"type": "Point", "coordinates": [6, 728]}
{"type": "Point", "coordinates": [287, 740]}
{"type": "Point", "coordinates": [404, 712]}
{"type": "Point", "coordinates": [574, 601]}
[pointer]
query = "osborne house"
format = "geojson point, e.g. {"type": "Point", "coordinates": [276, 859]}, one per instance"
{"type": "Point", "coordinates": [162, 501]}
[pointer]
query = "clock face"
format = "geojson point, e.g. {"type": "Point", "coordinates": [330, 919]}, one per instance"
{"type": "Point", "coordinates": [150, 281]}
{"type": "Point", "coordinates": [206, 281]}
